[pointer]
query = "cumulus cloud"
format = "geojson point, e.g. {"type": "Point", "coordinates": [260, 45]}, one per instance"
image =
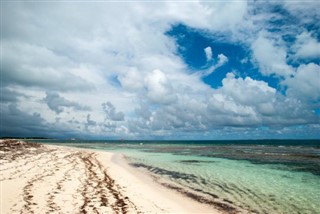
{"type": "Point", "coordinates": [57, 103]}
{"type": "Point", "coordinates": [306, 46]}
{"type": "Point", "coordinates": [159, 89]}
{"type": "Point", "coordinates": [111, 113]}
{"type": "Point", "coordinates": [89, 122]}
{"type": "Point", "coordinates": [247, 91]}
{"type": "Point", "coordinates": [240, 102]}
{"type": "Point", "coordinates": [305, 85]}
{"type": "Point", "coordinates": [270, 56]}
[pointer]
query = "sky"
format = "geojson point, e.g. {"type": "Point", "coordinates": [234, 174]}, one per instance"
{"type": "Point", "coordinates": [206, 70]}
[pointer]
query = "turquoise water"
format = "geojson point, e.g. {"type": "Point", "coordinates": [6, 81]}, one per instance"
{"type": "Point", "coordinates": [243, 177]}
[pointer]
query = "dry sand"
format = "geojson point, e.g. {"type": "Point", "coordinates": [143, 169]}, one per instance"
{"type": "Point", "coordinates": [51, 179]}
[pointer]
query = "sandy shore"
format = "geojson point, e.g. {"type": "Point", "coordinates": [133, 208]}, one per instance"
{"type": "Point", "coordinates": [52, 179]}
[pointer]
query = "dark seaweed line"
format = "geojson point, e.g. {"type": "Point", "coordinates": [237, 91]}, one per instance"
{"type": "Point", "coordinates": [27, 190]}
{"type": "Point", "coordinates": [86, 200]}
{"type": "Point", "coordinates": [50, 202]}
{"type": "Point", "coordinates": [102, 185]}
{"type": "Point", "coordinates": [28, 161]}
{"type": "Point", "coordinates": [120, 202]}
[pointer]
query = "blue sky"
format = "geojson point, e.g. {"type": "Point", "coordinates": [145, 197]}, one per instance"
{"type": "Point", "coordinates": [191, 43]}
{"type": "Point", "coordinates": [161, 70]}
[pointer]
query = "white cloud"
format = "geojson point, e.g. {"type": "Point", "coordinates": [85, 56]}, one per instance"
{"type": "Point", "coordinates": [306, 83]}
{"type": "Point", "coordinates": [247, 91]}
{"type": "Point", "coordinates": [306, 46]}
{"type": "Point", "coordinates": [159, 89]}
{"type": "Point", "coordinates": [305, 12]}
{"type": "Point", "coordinates": [225, 16]}
{"type": "Point", "coordinates": [222, 59]}
{"type": "Point", "coordinates": [208, 53]}
{"type": "Point", "coordinates": [270, 56]}
{"type": "Point", "coordinates": [131, 79]}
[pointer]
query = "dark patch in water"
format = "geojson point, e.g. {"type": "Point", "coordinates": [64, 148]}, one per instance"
{"type": "Point", "coordinates": [286, 176]}
{"type": "Point", "coordinates": [296, 158]}
{"type": "Point", "coordinates": [164, 172]}
{"type": "Point", "coordinates": [207, 193]}
{"type": "Point", "coordinates": [226, 200]}
{"type": "Point", "coordinates": [195, 161]}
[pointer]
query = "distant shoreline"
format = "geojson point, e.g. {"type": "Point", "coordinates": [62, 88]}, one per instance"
{"type": "Point", "coordinates": [159, 140]}
{"type": "Point", "coordinates": [27, 138]}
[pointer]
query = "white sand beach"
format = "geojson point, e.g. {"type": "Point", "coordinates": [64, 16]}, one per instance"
{"type": "Point", "coordinates": [54, 179]}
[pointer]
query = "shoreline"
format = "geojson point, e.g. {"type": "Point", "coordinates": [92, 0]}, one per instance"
{"type": "Point", "coordinates": [47, 178]}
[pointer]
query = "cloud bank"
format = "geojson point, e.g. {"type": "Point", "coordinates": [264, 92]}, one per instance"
{"type": "Point", "coordinates": [111, 70]}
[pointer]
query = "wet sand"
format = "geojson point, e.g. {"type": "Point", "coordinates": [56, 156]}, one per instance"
{"type": "Point", "coordinates": [39, 178]}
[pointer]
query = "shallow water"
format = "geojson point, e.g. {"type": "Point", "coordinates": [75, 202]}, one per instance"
{"type": "Point", "coordinates": [280, 178]}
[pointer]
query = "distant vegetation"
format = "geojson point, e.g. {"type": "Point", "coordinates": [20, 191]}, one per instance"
{"type": "Point", "coordinates": [25, 138]}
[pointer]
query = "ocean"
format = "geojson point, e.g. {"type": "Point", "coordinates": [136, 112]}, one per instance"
{"type": "Point", "coordinates": [255, 176]}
